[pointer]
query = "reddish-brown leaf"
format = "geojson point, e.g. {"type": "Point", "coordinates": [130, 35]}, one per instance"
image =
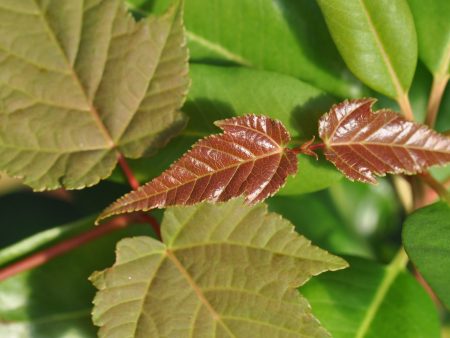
{"type": "Point", "coordinates": [362, 143]}
{"type": "Point", "coordinates": [249, 158]}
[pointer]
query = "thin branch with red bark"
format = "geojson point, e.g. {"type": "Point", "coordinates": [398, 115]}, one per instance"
{"type": "Point", "coordinates": [47, 254]}
{"type": "Point", "coordinates": [134, 184]}
{"type": "Point", "coordinates": [127, 172]}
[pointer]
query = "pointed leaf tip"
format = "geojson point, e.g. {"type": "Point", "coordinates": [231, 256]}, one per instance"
{"type": "Point", "coordinates": [249, 159]}
{"type": "Point", "coordinates": [235, 269]}
{"type": "Point", "coordinates": [362, 143]}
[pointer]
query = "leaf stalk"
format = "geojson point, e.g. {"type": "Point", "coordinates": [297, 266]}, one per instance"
{"type": "Point", "coordinates": [434, 102]}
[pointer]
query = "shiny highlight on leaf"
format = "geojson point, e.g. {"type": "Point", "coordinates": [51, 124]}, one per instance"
{"type": "Point", "coordinates": [249, 159]}
{"type": "Point", "coordinates": [362, 143]}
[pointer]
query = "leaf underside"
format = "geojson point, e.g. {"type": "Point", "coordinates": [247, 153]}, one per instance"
{"type": "Point", "coordinates": [80, 82]}
{"type": "Point", "coordinates": [362, 143]}
{"type": "Point", "coordinates": [224, 270]}
{"type": "Point", "coordinates": [249, 158]}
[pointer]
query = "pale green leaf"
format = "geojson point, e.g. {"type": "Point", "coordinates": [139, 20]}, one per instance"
{"type": "Point", "coordinates": [371, 301]}
{"type": "Point", "coordinates": [377, 40]}
{"type": "Point", "coordinates": [225, 270]}
{"type": "Point", "coordinates": [222, 92]}
{"type": "Point", "coordinates": [284, 36]}
{"type": "Point", "coordinates": [81, 81]}
{"type": "Point", "coordinates": [432, 19]}
{"type": "Point", "coordinates": [426, 236]}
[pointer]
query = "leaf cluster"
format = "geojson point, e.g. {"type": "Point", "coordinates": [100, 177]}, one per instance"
{"type": "Point", "coordinates": [107, 92]}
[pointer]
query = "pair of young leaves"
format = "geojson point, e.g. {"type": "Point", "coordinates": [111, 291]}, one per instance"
{"type": "Point", "coordinates": [251, 157]}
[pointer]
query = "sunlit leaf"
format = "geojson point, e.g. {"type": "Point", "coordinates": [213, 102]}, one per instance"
{"type": "Point", "coordinates": [377, 40]}
{"type": "Point", "coordinates": [432, 19]}
{"type": "Point", "coordinates": [426, 236]}
{"type": "Point", "coordinates": [223, 270]}
{"type": "Point", "coordinates": [250, 158]}
{"type": "Point", "coordinates": [283, 36]}
{"type": "Point", "coordinates": [82, 81]}
{"type": "Point", "coordinates": [362, 143]}
{"type": "Point", "coordinates": [222, 92]}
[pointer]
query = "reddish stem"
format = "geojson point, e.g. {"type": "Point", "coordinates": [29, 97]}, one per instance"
{"type": "Point", "coordinates": [153, 222]}
{"type": "Point", "coordinates": [64, 246]}
{"type": "Point", "coordinates": [316, 146]}
{"type": "Point", "coordinates": [434, 184]}
{"type": "Point", "coordinates": [127, 172]}
{"type": "Point", "coordinates": [134, 183]}
{"type": "Point", "coordinates": [308, 148]}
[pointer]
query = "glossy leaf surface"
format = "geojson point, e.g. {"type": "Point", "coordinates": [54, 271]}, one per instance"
{"type": "Point", "coordinates": [362, 143]}
{"type": "Point", "coordinates": [223, 92]}
{"type": "Point", "coordinates": [368, 300]}
{"type": "Point", "coordinates": [82, 81]}
{"type": "Point", "coordinates": [225, 270]}
{"type": "Point", "coordinates": [250, 158]}
{"type": "Point", "coordinates": [433, 32]}
{"type": "Point", "coordinates": [284, 36]}
{"type": "Point", "coordinates": [426, 236]}
{"type": "Point", "coordinates": [377, 40]}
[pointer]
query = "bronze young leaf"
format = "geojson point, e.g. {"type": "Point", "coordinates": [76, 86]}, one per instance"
{"type": "Point", "coordinates": [362, 143]}
{"type": "Point", "coordinates": [250, 158]}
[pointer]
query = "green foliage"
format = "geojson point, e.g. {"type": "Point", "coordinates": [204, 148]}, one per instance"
{"type": "Point", "coordinates": [426, 236]}
{"type": "Point", "coordinates": [432, 25]}
{"type": "Point", "coordinates": [55, 300]}
{"type": "Point", "coordinates": [288, 37]}
{"type": "Point", "coordinates": [252, 293]}
{"type": "Point", "coordinates": [85, 84]}
{"type": "Point", "coordinates": [377, 40]}
{"type": "Point", "coordinates": [219, 93]}
{"type": "Point", "coordinates": [369, 300]}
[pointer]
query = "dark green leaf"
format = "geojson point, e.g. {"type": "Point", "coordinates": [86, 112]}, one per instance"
{"type": "Point", "coordinates": [371, 301]}
{"type": "Point", "coordinates": [426, 237]}
{"type": "Point", "coordinates": [316, 217]}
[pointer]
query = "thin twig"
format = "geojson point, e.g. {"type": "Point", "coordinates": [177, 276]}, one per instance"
{"type": "Point", "coordinates": [436, 186]}
{"type": "Point", "coordinates": [426, 286]}
{"type": "Point", "coordinates": [437, 91]}
{"type": "Point", "coordinates": [308, 148]}
{"type": "Point", "coordinates": [47, 254]}
{"type": "Point", "coordinates": [153, 222]}
{"type": "Point", "coordinates": [127, 172]}
{"type": "Point", "coordinates": [134, 184]}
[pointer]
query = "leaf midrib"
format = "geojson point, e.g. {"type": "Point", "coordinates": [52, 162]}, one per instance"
{"type": "Point", "coordinates": [237, 164]}
{"type": "Point", "coordinates": [387, 61]}
{"type": "Point", "coordinates": [97, 119]}
{"type": "Point", "coordinates": [390, 145]}
{"type": "Point", "coordinates": [198, 291]}
{"type": "Point", "coordinates": [211, 45]}
{"type": "Point", "coordinates": [392, 271]}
